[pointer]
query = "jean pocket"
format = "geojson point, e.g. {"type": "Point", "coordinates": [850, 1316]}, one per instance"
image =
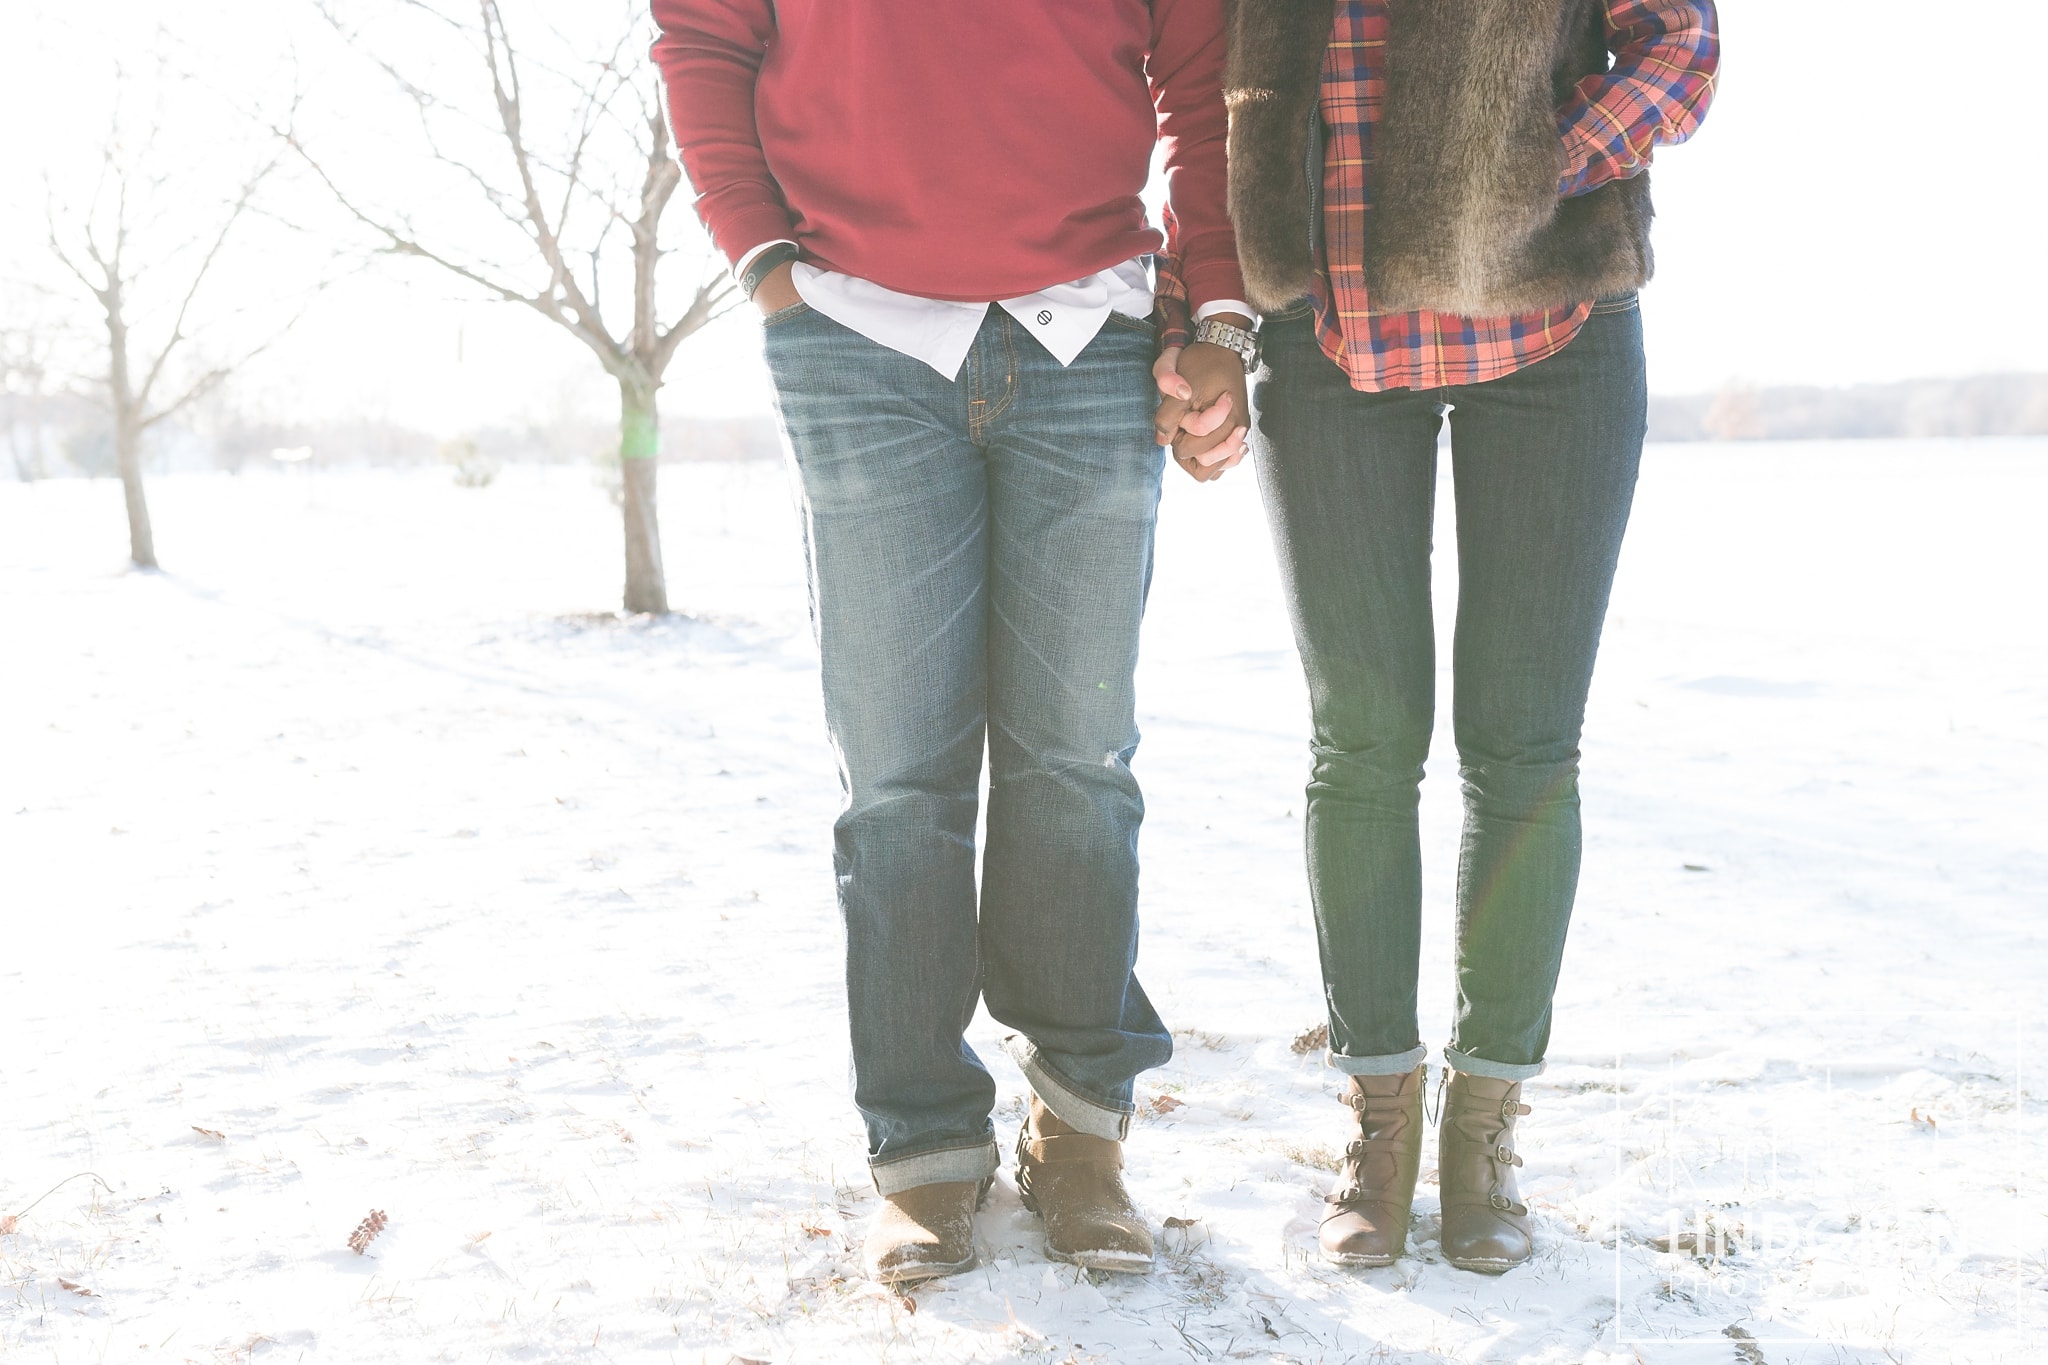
{"type": "Point", "coordinates": [789, 314]}
{"type": "Point", "coordinates": [1142, 326]}
{"type": "Point", "coordinates": [1617, 303]}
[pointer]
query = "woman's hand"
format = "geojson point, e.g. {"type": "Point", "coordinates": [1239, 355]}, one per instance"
{"type": "Point", "coordinates": [1204, 410]}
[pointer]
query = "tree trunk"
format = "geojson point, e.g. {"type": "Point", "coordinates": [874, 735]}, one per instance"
{"type": "Point", "coordinates": [639, 452]}
{"type": "Point", "coordinates": [128, 454]}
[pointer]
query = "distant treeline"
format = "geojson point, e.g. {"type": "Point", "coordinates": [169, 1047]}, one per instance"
{"type": "Point", "coordinates": [1983, 405]}
{"type": "Point", "coordinates": [54, 435]}
{"type": "Point", "coordinates": [64, 434]}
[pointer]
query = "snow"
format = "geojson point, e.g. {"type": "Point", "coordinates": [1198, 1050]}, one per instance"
{"type": "Point", "coordinates": [367, 841]}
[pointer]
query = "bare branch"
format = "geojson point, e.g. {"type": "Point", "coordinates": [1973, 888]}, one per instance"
{"type": "Point", "coordinates": [211, 380]}
{"type": "Point", "coordinates": [57, 247]}
{"type": "Point", "coordinates": [505, 89]}
{"type": "Point", "coordinates": [713, 300]}
{"type": "Point", "coordinates": [220, 238]}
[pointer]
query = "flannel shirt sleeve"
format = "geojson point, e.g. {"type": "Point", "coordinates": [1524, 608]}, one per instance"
{"type": "Point", "coordinates": [1666, 54]}
{"type": "Point", "coordinates": [1170, 308]}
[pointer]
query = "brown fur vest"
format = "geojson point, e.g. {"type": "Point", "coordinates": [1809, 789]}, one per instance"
{"type": "Point", "coordinates": [1466, 218]}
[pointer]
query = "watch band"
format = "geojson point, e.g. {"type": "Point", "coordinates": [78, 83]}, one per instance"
{"type": "Point", "coordinates": [1230, 337]}
{"type": "Point", "coordinates": [765, 263]}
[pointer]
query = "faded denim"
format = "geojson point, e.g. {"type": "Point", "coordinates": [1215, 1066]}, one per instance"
{"type": "Point", "coordinates": [1544, 470]}
{"type": "Point", "coordinates": [979, 554]}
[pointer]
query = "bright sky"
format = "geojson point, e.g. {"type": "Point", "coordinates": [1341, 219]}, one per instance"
{"type": "Point", "coordinates": [1862, 204]}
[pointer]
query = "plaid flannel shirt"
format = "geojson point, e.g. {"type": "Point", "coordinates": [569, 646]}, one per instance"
{"type": "Point", "coordinates": [1666, 55]}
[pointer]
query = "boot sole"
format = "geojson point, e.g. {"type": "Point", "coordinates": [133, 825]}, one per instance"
{"type": "Point", "coordinates": [1486, 1267]}
{"type": "Point", "coordinates": [914, 1274]}
{"type": "Point", "coordinates": [1346, 1258]}
{"type": "Point", "coordinates": [1115, 1262]}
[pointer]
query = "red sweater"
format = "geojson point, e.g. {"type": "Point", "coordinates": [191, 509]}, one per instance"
{"type": "Point", "coordinates": [954, 149]}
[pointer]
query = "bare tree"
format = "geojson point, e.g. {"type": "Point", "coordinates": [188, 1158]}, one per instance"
{"type": "Point", "coordinates": [25, 371]}
{"type": "Point", "coordinates": [564, 192]}
{"type": "Point", "coordinates": [99, 246]}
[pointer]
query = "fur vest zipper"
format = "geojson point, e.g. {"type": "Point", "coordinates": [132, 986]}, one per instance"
{"type": "Point", "coordinates": [1466, 218]}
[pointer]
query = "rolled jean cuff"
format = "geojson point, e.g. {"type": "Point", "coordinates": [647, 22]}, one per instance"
{"type": "Point", "coordinates": [977, 1161]}
{"type": "Point", "coordinates": [1091, 1116]}
{"type": "Point", "coordinates": [1496, 1071]}
{"type": "Point", "coordinates": [1395, 1064]}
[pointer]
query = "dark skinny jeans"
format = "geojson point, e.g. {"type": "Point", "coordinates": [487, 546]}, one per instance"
{"type": "Point", "coordinates": [1544, 468]}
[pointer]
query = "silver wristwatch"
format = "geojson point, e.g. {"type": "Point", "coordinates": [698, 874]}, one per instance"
{"type": "Point", "coordinates": [1244, 342]}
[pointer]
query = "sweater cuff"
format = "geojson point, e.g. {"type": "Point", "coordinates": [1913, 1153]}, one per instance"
{"type": "Point", "coordinates": [1213, 281]}
{"type": "Point", "coordinates": [747, 230]}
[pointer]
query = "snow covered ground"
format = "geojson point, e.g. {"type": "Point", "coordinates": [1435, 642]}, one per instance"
{"type": "Point", "coordinates": [362, 861]}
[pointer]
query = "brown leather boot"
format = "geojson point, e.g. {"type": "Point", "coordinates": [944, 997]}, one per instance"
{"type": "Point", "coordinates": [924, 1231]}
{"type": "Point", "coordinates": [1365, 1219]}
{"type": "Point", "coordinates": [1485, 1227]}
{"type": "Point", "coordinates": [1074, 1182]}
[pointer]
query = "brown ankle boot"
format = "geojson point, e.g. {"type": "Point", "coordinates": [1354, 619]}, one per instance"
{"type": "Point", "coordinates": [1365, 1220]}
{"type": "Point", "coordinates": [1074, 1182]}
{"type": "Point", "coordinates": [1485, 1227]}
{"type": "Point", "coordinates": [924, 1231]}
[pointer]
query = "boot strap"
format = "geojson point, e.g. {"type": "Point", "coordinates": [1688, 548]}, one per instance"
{"type": "Point", "coordinates": [1359, 1147]}
{"type": "Point", "coordinates": [1073, 1148]}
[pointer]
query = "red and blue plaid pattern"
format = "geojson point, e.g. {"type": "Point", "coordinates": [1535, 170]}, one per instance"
{"type": "Point", "coordinates": [1666, 54]}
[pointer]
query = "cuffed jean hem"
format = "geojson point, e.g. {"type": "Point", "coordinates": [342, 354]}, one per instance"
{"type": "Point", "coordinates": [1496, 1071]}
{"type": "Point", "coordinates": [976, 1162]}
{"type": "Point", "coordinates": [1090, 1116]}
{"type": "Point", "coordinates": [1398, 1064]}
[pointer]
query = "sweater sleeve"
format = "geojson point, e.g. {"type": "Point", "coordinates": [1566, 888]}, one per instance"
{"type": "Point", "coordinates": [710, 52]}
{"type": "Point", "coordinates": [1666, 55]}
{"type": "Point", "coordinates": [1186, 70]}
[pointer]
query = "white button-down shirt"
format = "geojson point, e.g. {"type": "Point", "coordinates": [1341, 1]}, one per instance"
{"type": "Point", "coordinates": [940, 332]}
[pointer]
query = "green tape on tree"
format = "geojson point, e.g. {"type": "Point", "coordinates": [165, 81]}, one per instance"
{"type": "Point", "coordinates": [639, 436]}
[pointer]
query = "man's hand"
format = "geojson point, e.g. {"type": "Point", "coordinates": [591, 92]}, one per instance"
{"type": "Point", "coordinates": [1204, 411]}
{"type": "Point", "coordinates": [777, 290]}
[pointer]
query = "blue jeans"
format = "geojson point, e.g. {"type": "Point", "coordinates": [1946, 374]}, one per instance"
{"type": "Point", "coordinates": [1544, 470]}
{"type": "Point", "coordinates": [979, 554]}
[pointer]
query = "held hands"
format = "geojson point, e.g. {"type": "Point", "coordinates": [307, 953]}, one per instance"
{"type": "Point", "coordinates": [1204, 411]}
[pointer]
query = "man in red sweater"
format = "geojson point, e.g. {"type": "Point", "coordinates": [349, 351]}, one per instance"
{"type": "Point", "coordinates": [935, 204]}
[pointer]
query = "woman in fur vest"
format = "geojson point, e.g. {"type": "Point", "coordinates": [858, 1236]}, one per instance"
{"type": "Point", "coordinates": [1443, 211]}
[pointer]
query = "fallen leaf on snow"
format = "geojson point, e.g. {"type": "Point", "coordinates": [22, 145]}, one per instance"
{"type": "Point", "coordinates": [1180, 1222]}
{"type": "Point", "coordinates": [366, 1231]}
{"type": "Point", "coordinates": [1924, 1122]}
{"type": "Point", "coordinates": [212, 1133]}
{"type": "Point", "coordinates": [1164, 1104]}
{"type": "Point", "coordinates": [1314, 1040]}
{"type": "Point", "coordinates": [7, 1225]}
{"type": "Point", "coordinates": [815, 1230]}
{"type": "Point", "coordinates": [78, 1289]}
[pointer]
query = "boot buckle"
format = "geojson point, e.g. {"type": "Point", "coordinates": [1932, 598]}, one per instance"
{"type": "Point", "coordinates": [1500, 1201]}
